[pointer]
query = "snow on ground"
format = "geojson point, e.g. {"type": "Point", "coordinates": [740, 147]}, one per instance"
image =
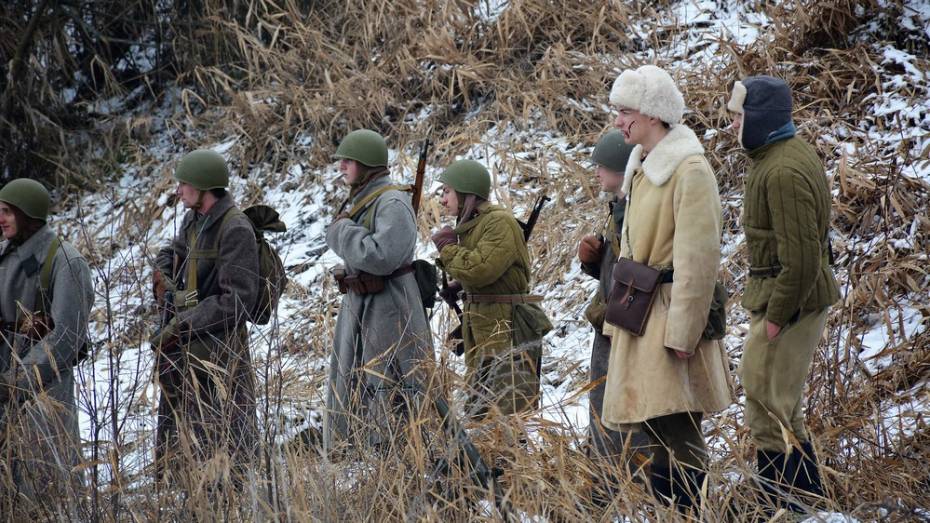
{"type": "Point", "coordinates": [112, 226]}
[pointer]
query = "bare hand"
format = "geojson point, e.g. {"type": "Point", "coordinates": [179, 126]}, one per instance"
{"type": "Point", "coordinates": [771, 330]}
{"type": "Point", "coordinates": [679, 354]}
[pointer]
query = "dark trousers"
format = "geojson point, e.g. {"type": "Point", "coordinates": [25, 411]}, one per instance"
{"type": "Point", "coordinates": [606, 443]}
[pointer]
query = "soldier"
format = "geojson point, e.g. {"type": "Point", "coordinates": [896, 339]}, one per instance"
{"type": "Point", "coordinates": [46, 295]}
{"type": "Point", "coordinates": [210, 269]}
{"type": "Point", "coordinates": [382, 337]}
{"type": "Point", "coordinates": [786, 215]}
{"type": "Point", "coordinates": [665, 380]}
{"type": "Point", "coordinates": [502, 324]}
{"type": "Point", "coordinates": [598, 255]}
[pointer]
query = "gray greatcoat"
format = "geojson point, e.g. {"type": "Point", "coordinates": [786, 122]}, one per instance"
{"type": "Point", "coordinates": [215, 400]}
{"type": "Point", "coordinates": [377, 335]}
{"type": "Point", "coordinates": [42, 433]}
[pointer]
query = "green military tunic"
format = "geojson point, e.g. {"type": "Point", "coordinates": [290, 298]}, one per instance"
{"type": "Point", "coordinates": [503, 347]}
{"type": "Point", "coordinates": [786, 217]}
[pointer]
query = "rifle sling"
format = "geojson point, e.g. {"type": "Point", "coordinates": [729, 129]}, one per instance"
{"type": "Point", "coordinates": [45, 280]}
{"type": "Point", "coordinates": [194, 254]}
{"type": "Point", "coordinates": [368, 199]}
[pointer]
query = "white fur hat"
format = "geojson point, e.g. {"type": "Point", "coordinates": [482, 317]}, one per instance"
{"type": "Point", "coordinates": [651, 91]}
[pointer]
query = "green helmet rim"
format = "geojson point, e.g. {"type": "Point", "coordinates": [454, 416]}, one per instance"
{"type": "Point", "coordinates": [365, 147]}
{"type": "Point", "coordinates": [29, 196]}
{"type": "Point", "coordinates": [468, 177]}
{"type": "Point", "coordinates": [203, 169]}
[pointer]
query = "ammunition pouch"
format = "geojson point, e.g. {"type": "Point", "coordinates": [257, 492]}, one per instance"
{"type": "Point", "coordinates": [363, 282]}
{"type": "Point", "coordinates": [716, 327]}
{"type": "Point", "coordinates": [596, 311]}
{"type": "Point", "coordinates": [36, 326]}
{"type": "Point", "coordinates": [185, 299]}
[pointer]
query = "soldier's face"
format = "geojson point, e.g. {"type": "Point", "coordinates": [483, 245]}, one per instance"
{"type": "Point", "coordinates": [188, 195]}
{"type": "Point", "coordinates": [610, 180]}
{"type": "Point", "coordinates": [737, 122]}
{"type": "Point", "coordinates": [7, 221]}
{"type": "Point", "coordinates": [737, 126]}
{"type": "Point", "coordinates": [632, 124]}
{"type": "Point", "coordinates": [450, 201]}
{"type": "Point", "coordinates": [350, 170]}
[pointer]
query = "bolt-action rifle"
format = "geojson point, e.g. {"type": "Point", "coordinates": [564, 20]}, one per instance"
{"type": "Point", "coordinates": [530, 223]}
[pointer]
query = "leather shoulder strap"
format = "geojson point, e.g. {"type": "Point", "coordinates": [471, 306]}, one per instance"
{"type": "Point", "coordinates": [45, 277]}
{"type": "Point", "coordinates": [367, 200]}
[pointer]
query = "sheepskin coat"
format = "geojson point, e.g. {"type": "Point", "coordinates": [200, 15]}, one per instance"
{"type": "Point", "coordinates": [673, 220]}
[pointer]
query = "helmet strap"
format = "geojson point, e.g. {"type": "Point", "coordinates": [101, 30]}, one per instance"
{"type": "Point", "coordinates": [199, 203]}
{"type": "Point", "coordinates": [467, 207]}
{"type": "Point", "coordinates": [368, 175]}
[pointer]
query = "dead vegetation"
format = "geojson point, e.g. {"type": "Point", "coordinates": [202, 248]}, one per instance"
{"type": "Point", "coordinates": [272, 72]}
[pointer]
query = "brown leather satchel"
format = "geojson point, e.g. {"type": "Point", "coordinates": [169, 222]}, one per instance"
{"type": "Point", "coordinates": [632, 294]}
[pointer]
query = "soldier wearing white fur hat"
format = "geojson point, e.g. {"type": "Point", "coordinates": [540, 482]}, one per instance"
{"type": "Point", "coordinates": [664, 380]}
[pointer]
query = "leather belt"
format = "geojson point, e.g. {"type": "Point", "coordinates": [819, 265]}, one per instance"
{"type": "Point", "coordinates": [501, 298]}
{"type": "Point", "coordinates": [365, 283]}
{"type": "Point", "coordinates": [667, 277]}
{"type": "Point", "coordinates": [765, 272]}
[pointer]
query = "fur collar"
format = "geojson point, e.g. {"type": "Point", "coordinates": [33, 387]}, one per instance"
{"type": "Point", "coordinates": [678, 144]}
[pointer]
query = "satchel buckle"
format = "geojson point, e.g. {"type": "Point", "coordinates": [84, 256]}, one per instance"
{"type": "Point", "coordinates": [628, 297]}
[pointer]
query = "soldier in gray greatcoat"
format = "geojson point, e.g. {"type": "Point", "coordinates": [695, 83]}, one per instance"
{"type": "Point", "coordinates": [382, 336]}
{"type": "Point", "coordinates": [46, 294]}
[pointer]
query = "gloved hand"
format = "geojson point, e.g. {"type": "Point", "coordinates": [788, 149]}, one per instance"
{"type": "Point", "coordinates": [166, 336]}
{"type": "Point", "coordinates": [443, 237]}
{"type": "Point", "coordinates": [451, 293]}
{"type": "Point", "coordinates": [589, 250]}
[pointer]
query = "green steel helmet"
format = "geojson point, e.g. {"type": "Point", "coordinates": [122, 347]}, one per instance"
{"type": "Point", "coordinates": [27, 195]}
{"type": "Point", "coordinates": [467, 177]}
{"type": "Point", "coordinates": [612, 151]}
{"type": "Point", "coordinates": [365, 147]}
{"type": "Point", "coordinates": [203, 169]}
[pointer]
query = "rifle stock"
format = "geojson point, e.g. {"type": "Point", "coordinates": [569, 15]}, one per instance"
{"type": "Point", "coordinates": [418, 179]}
{"type": "Point", "coordinates": [452, 302]}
